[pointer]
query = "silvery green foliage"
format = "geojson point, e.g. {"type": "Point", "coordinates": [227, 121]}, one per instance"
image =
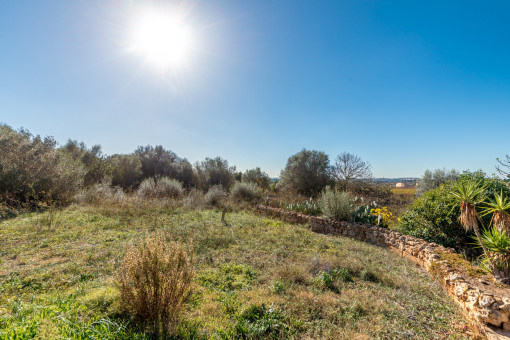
{"type": "Point", "coordinates": [33, 171]}
{"type": "Point", "coordinates": [168, 187]}
{"type": "Point", "coordinates": [431, 180]}
{"type": "Point", "coordinates": [246, 191]}
{"type": "Point", "coordinates": [163, 187]}
{"type": "Point", "coordinates": [215, 194]}
{"type": "Point", "coordinates": [337, 205]}
{"type": "Point", "coordinates": [307, 172]}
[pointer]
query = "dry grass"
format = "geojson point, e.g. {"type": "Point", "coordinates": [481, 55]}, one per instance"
{"type": "Point", "coordinates": [255, 278]}
{"type": "Point", "coordinates": [154, 281]}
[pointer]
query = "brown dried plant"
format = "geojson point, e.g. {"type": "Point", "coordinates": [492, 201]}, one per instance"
{"type": "Point", "coordinates": [154, 281]}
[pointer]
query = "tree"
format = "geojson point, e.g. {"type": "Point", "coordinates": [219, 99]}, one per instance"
{"type": "Point", "coordinates": [431, 180]}
{"type": "Point", "coordinates": [468, 194]}
{"type": "Point", "coordinates": [307, 172]}
{"type": "Point", "coordinates": [126, 170]}
{"type": "Point", "coordinates": [158, 162]}
{"type": "Point", "coordinates": [33, 170]}
{"type": "Point", "coordinates": [503, 166]}
{"type": "Point", "coordinates": [93, 160]}
{"type": "Point", "coordinates": [349, 168]}
{"type": "Point", "coordinates": [258, 177]}
{"type": "Point", "coordinates": [214, 171]}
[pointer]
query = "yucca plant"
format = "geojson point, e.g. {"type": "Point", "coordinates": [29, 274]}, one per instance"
{"type": "Point", "coordinates": [500, 209]}
{"type": "Point", "coordinates": [468, 194]}
{"type": "Point", "coordinates": [497, 259]}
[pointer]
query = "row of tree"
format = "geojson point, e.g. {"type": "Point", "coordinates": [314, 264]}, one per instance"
{"type": "Point", "coordinates": [34, 168]}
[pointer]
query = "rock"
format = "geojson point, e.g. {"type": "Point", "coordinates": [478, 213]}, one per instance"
{"type": "Point", "coordinates": [486, 300]}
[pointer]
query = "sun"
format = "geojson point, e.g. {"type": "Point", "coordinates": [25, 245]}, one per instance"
{"type": "Point", "coordinates": [162, 38]}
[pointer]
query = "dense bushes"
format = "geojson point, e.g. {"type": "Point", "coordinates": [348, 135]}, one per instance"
{"type": "Point", "coordinates": [249, 192]}
{"type": "Point", "coordinates": [258, 177]}
{"type": "Point", "coordinates": [163, 187]}
{"type": "Point", "coordinates": [434, 216]}
{"type": "Point", "coordinates": [214, 171]}
{"type": "Point", "coordinates": [32, 170]}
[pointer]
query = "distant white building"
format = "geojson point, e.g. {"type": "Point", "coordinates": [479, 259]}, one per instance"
{"type": "Point", "coordinates": [400, 185]}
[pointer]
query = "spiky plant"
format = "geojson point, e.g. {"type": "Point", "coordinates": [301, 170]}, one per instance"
{"type": "Point", "coordinates": [468, 194]}
{"type": "Point", "coordinates": [498, 259]}
{"type": "Point", "coordinates": [500, 209]}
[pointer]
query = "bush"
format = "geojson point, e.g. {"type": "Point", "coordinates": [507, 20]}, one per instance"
{"type": "Point", "coordinates": [194, 199]}
{"type": "Point", "coordinates": [258, 177]}
{"type": "Point", "coordinates": [160, 188]}
{"type": "Point", "coordinates": [100, 192]}
{"type": "Point", "coordinates": [214, 171]}
{"type": "Point", "coordinates": [306, 173]}
{"type": "Point", "coordinates": [336, 205]}
{"type": "Point", "coordinates": [167, 187]}
{"type": "Point", "coordinates": [215, 194]}
{"type": "Point", "coordinates": [154, 281]}
{"type": "Point", "coordinates": [32, 170]}
{"type": "Point", "coordinates": [434, 216]}
{"type": "Point", "coordinates": [246, 191]}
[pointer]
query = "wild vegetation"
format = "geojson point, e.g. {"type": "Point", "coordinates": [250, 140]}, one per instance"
{"type": "Point", "coordinates": [148, 245]}
{"type": "Point", "coordinates": [253, 277]}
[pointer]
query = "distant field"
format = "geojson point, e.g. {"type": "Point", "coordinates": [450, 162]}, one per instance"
{"type": "Point", "coordinates": [56, 279]}
{"type": "Point", "coordinates": [403, 191]}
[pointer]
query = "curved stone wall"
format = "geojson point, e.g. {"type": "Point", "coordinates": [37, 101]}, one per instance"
{"type": "Point", "coordinates": [475, 291]}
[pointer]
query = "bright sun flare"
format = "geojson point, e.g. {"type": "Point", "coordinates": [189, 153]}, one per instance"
{"type": "Point", "coordinates": [162, 38]}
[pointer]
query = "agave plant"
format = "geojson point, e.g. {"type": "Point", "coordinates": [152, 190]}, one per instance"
{"type": "Point", "coordinates": [499, 208]}
{"type": "Point", "coordinates": [468, 194]}
{"type": "Point", "coordinates": [497, 259]}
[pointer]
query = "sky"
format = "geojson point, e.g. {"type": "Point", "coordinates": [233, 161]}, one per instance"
{"type": "Point", "coordinates": [406, 85]}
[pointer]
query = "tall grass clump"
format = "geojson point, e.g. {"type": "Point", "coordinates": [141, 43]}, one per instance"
{"type": "Point", "coordinates": [99, 193]}
{"type": "Point", "coordinates": [335, 204]}
{"type": "Point", "coordinates": [154, 281]}
{"type": "Point", "coordinates": [246, 191]}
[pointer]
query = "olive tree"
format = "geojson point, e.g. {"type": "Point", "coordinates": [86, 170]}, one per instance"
{"type": "Point", "coordinates": [307, 172]}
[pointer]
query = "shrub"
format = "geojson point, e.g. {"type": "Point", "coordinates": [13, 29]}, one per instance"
{"type": "Point", "coordinates": [100, 192]}
{"type": "Point", "coordinates": [32, 170]}
{"type": "Point", "coordinates": [147, 188]}
{"type": "Point", "coordinates": [258, 177]}
{"type": "Point", "coordinates": [194, 199]}
{"type": "Point", "coordinates": [434, 216]}
{"type": "Point", "coordinates": [307, 173]}
{"type": "Point", "coordinates": [167, 187]}
{"type": "Point", "coordinates": [214, 171]}
{"type": "Point", "coordinates": [215, 194]}
{"type": "Point", "coordinates": [336, 205]}
{"type": "Point", "coordinates": [246, 191]}
{"type": "Point", "coordinates": [154, 281]}
{"type": "Point", "coordinates": [160, 188]}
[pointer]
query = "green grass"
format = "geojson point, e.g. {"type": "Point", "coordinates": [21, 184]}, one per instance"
{"type": "Point", "coordinates": [255, 278]}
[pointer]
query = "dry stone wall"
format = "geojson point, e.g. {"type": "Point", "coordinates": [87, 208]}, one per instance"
{"type": "Point", "coordinates": [476, 292]}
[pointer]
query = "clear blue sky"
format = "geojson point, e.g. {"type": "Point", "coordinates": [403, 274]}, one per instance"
{"type": "Point", "coordinates": [407, 85]}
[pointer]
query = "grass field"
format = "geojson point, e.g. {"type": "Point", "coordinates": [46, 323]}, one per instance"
{"type": "Point", "coordinates": [403, 191]}
{"type": "Point", "coordinates": [256, 277]}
